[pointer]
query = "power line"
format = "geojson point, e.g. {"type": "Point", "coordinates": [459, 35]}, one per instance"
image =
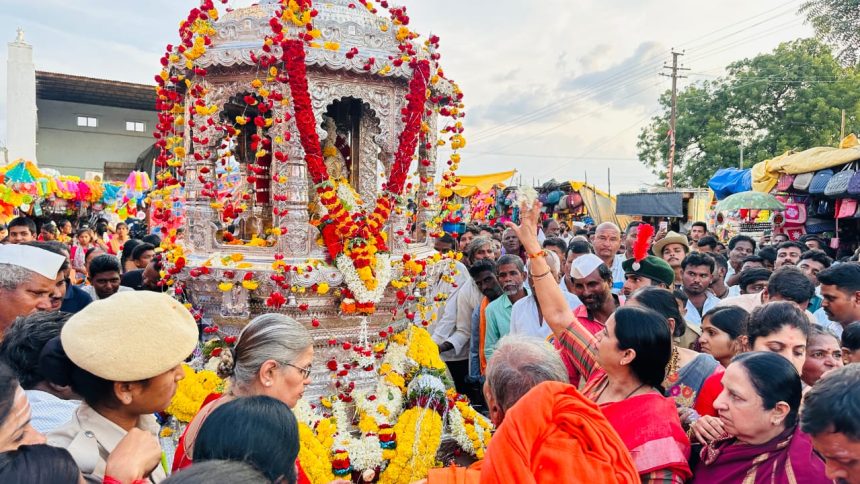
{"type": "Point", "coordinates": [673, 115]}
{"type": "Point", "coordinates": [629, 77]}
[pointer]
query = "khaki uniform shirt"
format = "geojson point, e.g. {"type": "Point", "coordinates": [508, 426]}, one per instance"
{"type": "Point", "coordinates": [90, 438]}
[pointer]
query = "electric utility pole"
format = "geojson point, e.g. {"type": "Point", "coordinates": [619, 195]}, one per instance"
{"type": "Point", "coordinates": [674, 75]}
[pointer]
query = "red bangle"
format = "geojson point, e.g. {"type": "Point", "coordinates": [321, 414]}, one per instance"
{"type": "Point", "coordinates": [114, 480]}
{"type": "Point", "coordinates": [537, 254]}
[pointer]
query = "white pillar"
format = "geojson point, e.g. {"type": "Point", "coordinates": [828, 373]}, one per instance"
{"type": "Point", "coordinates": [21, 100]}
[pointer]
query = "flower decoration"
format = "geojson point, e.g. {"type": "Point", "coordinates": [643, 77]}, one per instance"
{"type": "Point", "coordinates": [191, 391]}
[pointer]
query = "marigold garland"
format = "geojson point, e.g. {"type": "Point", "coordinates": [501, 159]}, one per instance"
{"type": "Point", "coordinates": [423, 350]}
{"type": "Point", "coordinates": [191, 392]}
{"type": "Point", "coordinates": [419, 434]}
{"type": "Point", "coordinates": [314, 458]}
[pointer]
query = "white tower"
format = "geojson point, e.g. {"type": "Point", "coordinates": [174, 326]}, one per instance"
{"type": "Point", "coordinates": [21, 100]}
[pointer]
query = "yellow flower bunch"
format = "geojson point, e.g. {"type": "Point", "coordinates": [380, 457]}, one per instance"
{"type": "Point", "coordinates": [191, 392]}
{"type": "Point", "coordinates": [419, 433]}
{"type": "Point", "coordinates": [423, 350]}
{"type": "Point", "coordinates": [325, 432]}
{"type": "Point", "coordinates": [313, 456]}
{"type": "Point", "coordinates": [393, 377]}
{"type": "Point", "coordinates": [400, 338]}
{"type": "Point", "coordinates": [367, 424]}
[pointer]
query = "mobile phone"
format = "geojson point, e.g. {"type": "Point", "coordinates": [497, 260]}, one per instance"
{"type": "Point", "coordinates": [664, 225]}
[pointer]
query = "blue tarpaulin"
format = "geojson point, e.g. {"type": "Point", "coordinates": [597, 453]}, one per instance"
{"type": "Point", "coordinates": [727, 181]}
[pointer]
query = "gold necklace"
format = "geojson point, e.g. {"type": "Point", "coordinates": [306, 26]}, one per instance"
{"type": "Point", "coordinates": [672, 367]}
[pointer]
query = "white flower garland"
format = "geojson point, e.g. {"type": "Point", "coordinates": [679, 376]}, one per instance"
{"type": "Point", "coordinates": [366, 359]}
{"type": "Point", "coordinates": [388, 396]}
{"type": "Point", "coordinates": [395, 357]}
{"type": "Point", "coordinates": [526, 197]}
{"type": "Point", "coordinates": [457, 427]}
{"type": "Point", "coordinates": [365, 453]}
{"type": "Point", "coordinates": [356, 285]}
{"type": "Point", "coordinates": [350, 199]}
{"type": "Point", "coordinates": [305, 414]}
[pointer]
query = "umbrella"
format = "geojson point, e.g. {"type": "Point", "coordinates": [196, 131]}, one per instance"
{"type": "Point", "coordinates": [750, 200]}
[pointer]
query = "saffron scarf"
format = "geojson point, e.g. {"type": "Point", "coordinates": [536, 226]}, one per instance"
{"type": "Point", "coordinates": [555, 435]}
{"type": "Point", "coordinates": [482, 335]}
{"type": "Point", "coordinates": [786, 459]}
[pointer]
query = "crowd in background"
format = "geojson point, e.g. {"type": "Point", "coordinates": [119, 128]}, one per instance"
{"type": "Point", "coordinates": [602, 355]}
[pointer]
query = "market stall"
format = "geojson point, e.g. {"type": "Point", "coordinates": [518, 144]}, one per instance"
{"type": "Point", "coordinates": [25, 189]}
{"type": "Point", "coordinates": [819, 187]}
{"type": "Point", "coordinates": [475, 198]}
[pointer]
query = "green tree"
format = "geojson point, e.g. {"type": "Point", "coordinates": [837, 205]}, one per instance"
{"type": "Point", "coordinates": [788, 99]}
{"type": "Point", "coordinates": [837, 22]}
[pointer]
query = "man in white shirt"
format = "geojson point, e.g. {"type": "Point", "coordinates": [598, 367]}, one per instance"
{"type": "Point", "coordinates": [526, 318]}
{"type": "Point", "coordinates": [840, 291]}
{"type": "Point", "coordinates": [52, 406]}
{"type": "Point", "coordinates": [740, 247]}
{"type": "Point", "coordinates": [696, 273]}
{"type": "Point", "coordinates": [454, 330]}
{"type": "Point", "coordinates": [607, 242]}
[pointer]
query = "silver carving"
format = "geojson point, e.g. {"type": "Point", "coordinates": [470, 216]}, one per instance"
{"type": "Point", "coordinates": [240, 32]}
{"type": "Point", "coordinates": [331, 77]}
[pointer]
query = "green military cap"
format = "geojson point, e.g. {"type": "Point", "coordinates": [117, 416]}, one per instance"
{"type": "Point", "coordinates": [653, 268]}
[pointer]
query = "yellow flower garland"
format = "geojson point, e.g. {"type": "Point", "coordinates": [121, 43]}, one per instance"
{"type": "Point", "coordinates": [477, 428]}
{"type": "Point", "coordinates": [314, 457]}
{"type": "Point", "coordinates": [191, 392]}
{"type": "Point", "coordinates": [419, 433]}
{"type": "Point", "coordinates": [423, 350]}
{"type": "Point", "coordinates": [325, 431]}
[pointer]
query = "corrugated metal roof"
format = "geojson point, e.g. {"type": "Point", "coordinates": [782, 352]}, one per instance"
{"type": "Point", "coordinates": [88, 90]}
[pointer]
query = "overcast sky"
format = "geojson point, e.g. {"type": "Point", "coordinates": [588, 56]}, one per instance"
{"type": "Point", "coordinates": [554, 88]}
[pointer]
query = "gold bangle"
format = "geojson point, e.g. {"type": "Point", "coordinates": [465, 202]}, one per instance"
{"type": "Point", "coordinates": [537, 254]}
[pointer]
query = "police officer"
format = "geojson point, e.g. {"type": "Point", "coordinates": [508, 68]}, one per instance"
{"type": "Point", "coordinates": [123, 356]}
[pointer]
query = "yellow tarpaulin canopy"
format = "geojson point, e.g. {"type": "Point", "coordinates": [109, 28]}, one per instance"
{"type": "Point", "coordinates": [765, 174]}
{"type": "Point", "coordinates": [600, 205]}
{"type": "Point", "coordinates": [472, 184]}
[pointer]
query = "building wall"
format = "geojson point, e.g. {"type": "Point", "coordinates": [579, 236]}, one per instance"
{"type": "Point", "coordinates": [74, 150]}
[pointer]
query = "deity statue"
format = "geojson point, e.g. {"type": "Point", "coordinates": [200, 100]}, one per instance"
{"type": "Point", "coordinates": [335, 162]}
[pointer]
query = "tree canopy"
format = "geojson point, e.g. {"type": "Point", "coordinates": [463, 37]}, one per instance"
{"type": "Point", "coordinates": [837, 22]}
{"type": "Point", "coordinates": [788, 99]}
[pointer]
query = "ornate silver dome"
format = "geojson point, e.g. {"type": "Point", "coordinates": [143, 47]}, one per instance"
{"type": "Point", "coordinates": [242, 30]}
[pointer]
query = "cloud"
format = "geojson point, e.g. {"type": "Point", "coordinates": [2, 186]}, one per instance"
{"type": "Point", "coordinates": [512, 103]}
{"type": "Point", "coordinates": [626, 84]}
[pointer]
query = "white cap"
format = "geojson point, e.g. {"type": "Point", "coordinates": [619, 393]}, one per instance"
{"type": "Point", "coordinates": [584, 265]}
{"type": "Point", "coordinates": [32, 258]}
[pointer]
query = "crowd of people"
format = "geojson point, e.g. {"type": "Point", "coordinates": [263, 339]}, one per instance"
{"type": "Point", "coordinates": [604, 356]}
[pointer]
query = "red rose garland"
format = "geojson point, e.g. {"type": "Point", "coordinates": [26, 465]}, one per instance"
{"type": "Point", "coordinates": [416, 98]}
{"type": "Point", "coordinates": [357, 236]}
